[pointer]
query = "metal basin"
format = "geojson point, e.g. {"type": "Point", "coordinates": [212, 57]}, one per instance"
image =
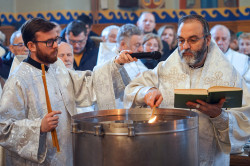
{"type": "Point", "coordinates": [122, 137]}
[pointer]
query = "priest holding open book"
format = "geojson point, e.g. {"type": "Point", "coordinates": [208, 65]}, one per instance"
{"type": "Point", "coordinates": [198, 63]}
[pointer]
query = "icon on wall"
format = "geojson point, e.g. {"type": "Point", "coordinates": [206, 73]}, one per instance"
{"type": "Point", "coordinates": [152, 4]}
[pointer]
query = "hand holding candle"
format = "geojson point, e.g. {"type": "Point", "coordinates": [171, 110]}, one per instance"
{"type": "Point", "coordinates": [50, 113]}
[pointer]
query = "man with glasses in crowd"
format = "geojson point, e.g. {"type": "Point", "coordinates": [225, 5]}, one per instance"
{"type": "Point", "coordinates": [197, 63]}
{"type": "Point", "coordinates": [25, 122]}
{"type": "Point", "coordinates": [18, 52]}
{"type": "Point", "coordinates": [85, 50]}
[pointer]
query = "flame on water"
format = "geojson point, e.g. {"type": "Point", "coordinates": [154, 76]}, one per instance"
{"type": "Point", "coordinates": [152, 120]}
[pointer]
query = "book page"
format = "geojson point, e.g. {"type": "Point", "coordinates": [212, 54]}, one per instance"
{"type": "Point", "coordinates": [191, 91]}
{"type": "Point", "coordinates": [223, 88]}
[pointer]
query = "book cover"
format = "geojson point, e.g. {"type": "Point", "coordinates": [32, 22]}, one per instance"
{"type": "Point", "coordinates": [213, 95]}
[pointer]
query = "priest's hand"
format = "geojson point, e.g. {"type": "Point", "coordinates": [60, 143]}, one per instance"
{"type": "Point", "coordinates": [153, 97]}
{"type": "Point", "coordinates": [124, 57]}
{"type": "Point", "coordinates": [50, 121]}
{"type": "Point", "coordinates": [211, 110]}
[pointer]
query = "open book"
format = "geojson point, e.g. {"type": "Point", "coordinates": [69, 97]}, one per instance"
{"type": "Point", "coordinates": [212, 95]}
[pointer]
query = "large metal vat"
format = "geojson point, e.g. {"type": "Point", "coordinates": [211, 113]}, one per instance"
{"type": "Point", "coordinates": [123, 137]}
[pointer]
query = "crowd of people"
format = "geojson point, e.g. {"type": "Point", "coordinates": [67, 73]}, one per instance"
{"type": "Point", "coordinates": [83, 76]}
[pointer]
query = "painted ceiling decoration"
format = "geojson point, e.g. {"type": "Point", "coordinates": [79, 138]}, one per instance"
{"type": "Point", "coordinates": [122, 17]}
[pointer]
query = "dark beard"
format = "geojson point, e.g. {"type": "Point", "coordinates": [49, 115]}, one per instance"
{"type": "Point", "coordinates": [197, 55]}
{"type": "Point", "coordinates": [45, 58]}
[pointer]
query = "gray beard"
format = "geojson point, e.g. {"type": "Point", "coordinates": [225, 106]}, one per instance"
{"type": "Point", "coordinates": [197, 55]}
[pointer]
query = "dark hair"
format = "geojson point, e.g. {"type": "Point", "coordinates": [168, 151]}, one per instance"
{"type": "Point", "coordinates": [34, 25]}
{"type": "Point", "coordinates": [76, 27]}
{"type": "Point", "coordinates": [196, 17]}
{"type": "Point", "coordinates": [86, 19]}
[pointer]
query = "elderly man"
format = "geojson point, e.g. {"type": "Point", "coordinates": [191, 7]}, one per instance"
{"type": "Point", "coordinates": [146, 23]}
{"type": "Point", "coordinates": [221, 35]}
{"type": "Point", "coordinates": [198, 63]}
{"type": "Point", "coordinates": [65, 53]}
{"type": "Point", "coordinates": [129, 37]}
{"type": "Point", "coordinates": [24, 121]}
{"type": "Point", "coordinates": [109, 33]}
{"type": "Point", "coordinates": [18, 52]}
{"type": "Point", "coordinates": [85, 50]}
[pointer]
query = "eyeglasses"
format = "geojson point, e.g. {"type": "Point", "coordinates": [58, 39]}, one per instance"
{"type": "Point", "coordinates": [20, 45]}
{"type": "Point", "coordinates": [190, 41]}
{"type": "Point", "coordinates": [77, 41]}
{"type": "Point", "coordinates": [50, 42]}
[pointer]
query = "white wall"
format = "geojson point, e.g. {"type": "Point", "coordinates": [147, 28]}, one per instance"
{"type": "Point", "coordinates": [20, 6]}
{"type": "Point", "coordinates": [7, 6]}
{"type": "Point", "coordinates": [244, 3]}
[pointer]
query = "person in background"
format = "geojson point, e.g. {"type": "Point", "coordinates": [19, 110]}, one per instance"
{"type": "Point", "coordinates": [109, 34]}
{"type": "Point", "coordinates": [85, 51]}
{"type": "Point", "coordinates": [25, 123]}
{"type": "Point", "coordinates": [2, 38]}
{"type": "Point", "coordinates": [106, 52]}
{"type": "Point", "coordinates": [65, 53]}
{"type": "Point", "coordinates": [197, 63]}
{"type": "Point", "coordinates": [58, 28]}
{"type": "Point", "coordinates": [244, 43]}
{"type": "Point", "coordinates": [167, 33]}
{"type": "Point", "coordinates": [130, 37]}
{"type": "Point", "coordinates": [244, 47]}
{"type": "Point", "coordinates": [18, 52]}
{"type": "Point", "coordinates": [89, 23]}
{"type": "Point", "coordinates": [221, 36]}
{"type": "Point", "coordinates": [146, 23]}
{"type": "Point", "coordinates": [3, 48]}
{"type": "Point", "coordinates": [151, 42]}
{"type": "Point", "coordinates": [233, 41]}
{"type": "Point", "coordinates": [2, 51]}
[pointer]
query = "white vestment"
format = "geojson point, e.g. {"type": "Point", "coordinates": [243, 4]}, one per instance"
{"type": "Point", "coordinates": [238, 60]}
{"type": "Point", "coordinates": [16, 61]}
{"type": "Point", "coordinates": [105, 52]}
{"type": "Point", "coordinates": [217, 136]}
{"type": "Point", "coordinates": [247, 75]}
{"type": "Point", "coordinates": [24, 105]}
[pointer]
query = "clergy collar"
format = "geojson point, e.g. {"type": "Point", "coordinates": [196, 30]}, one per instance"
{"type": "Point", "coordinates": [34, 63]}
{"type": "Point", "coordinates": [197, 67]}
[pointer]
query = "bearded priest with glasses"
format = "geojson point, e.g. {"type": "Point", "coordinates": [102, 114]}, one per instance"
{"type": "Point", "coordinates": [198, 63]}
{"type": "Point", "coordinates": [24, 119]}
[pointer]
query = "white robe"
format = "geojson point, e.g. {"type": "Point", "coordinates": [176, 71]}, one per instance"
{"type": "Point", "coordinates": [238, 60]}
{"type": "Point", "coordinates": [16, 61]}
{"type": "Point", "coordinates": [217, 136]}
{"type": "Point", "coordinates": [105, 52]}
{"type": "Point", "coordinates": [247, 75]}
{"type": "Point", "coordinates": [23, 107]}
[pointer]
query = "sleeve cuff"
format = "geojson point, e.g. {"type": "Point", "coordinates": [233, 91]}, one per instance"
{"type": "Point", "coordinates": [221, 122]}
{"type": "Point", "coordinates": [140, 95]}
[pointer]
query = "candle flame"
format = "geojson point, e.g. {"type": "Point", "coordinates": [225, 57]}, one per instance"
{"type": "Point", "coordinates": [152, 119]}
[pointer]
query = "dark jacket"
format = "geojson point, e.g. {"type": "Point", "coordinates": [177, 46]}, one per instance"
{"type": "Point", "coordinates": [89, 57]}
{"type": "Point", "coordinates": [5, 66]}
